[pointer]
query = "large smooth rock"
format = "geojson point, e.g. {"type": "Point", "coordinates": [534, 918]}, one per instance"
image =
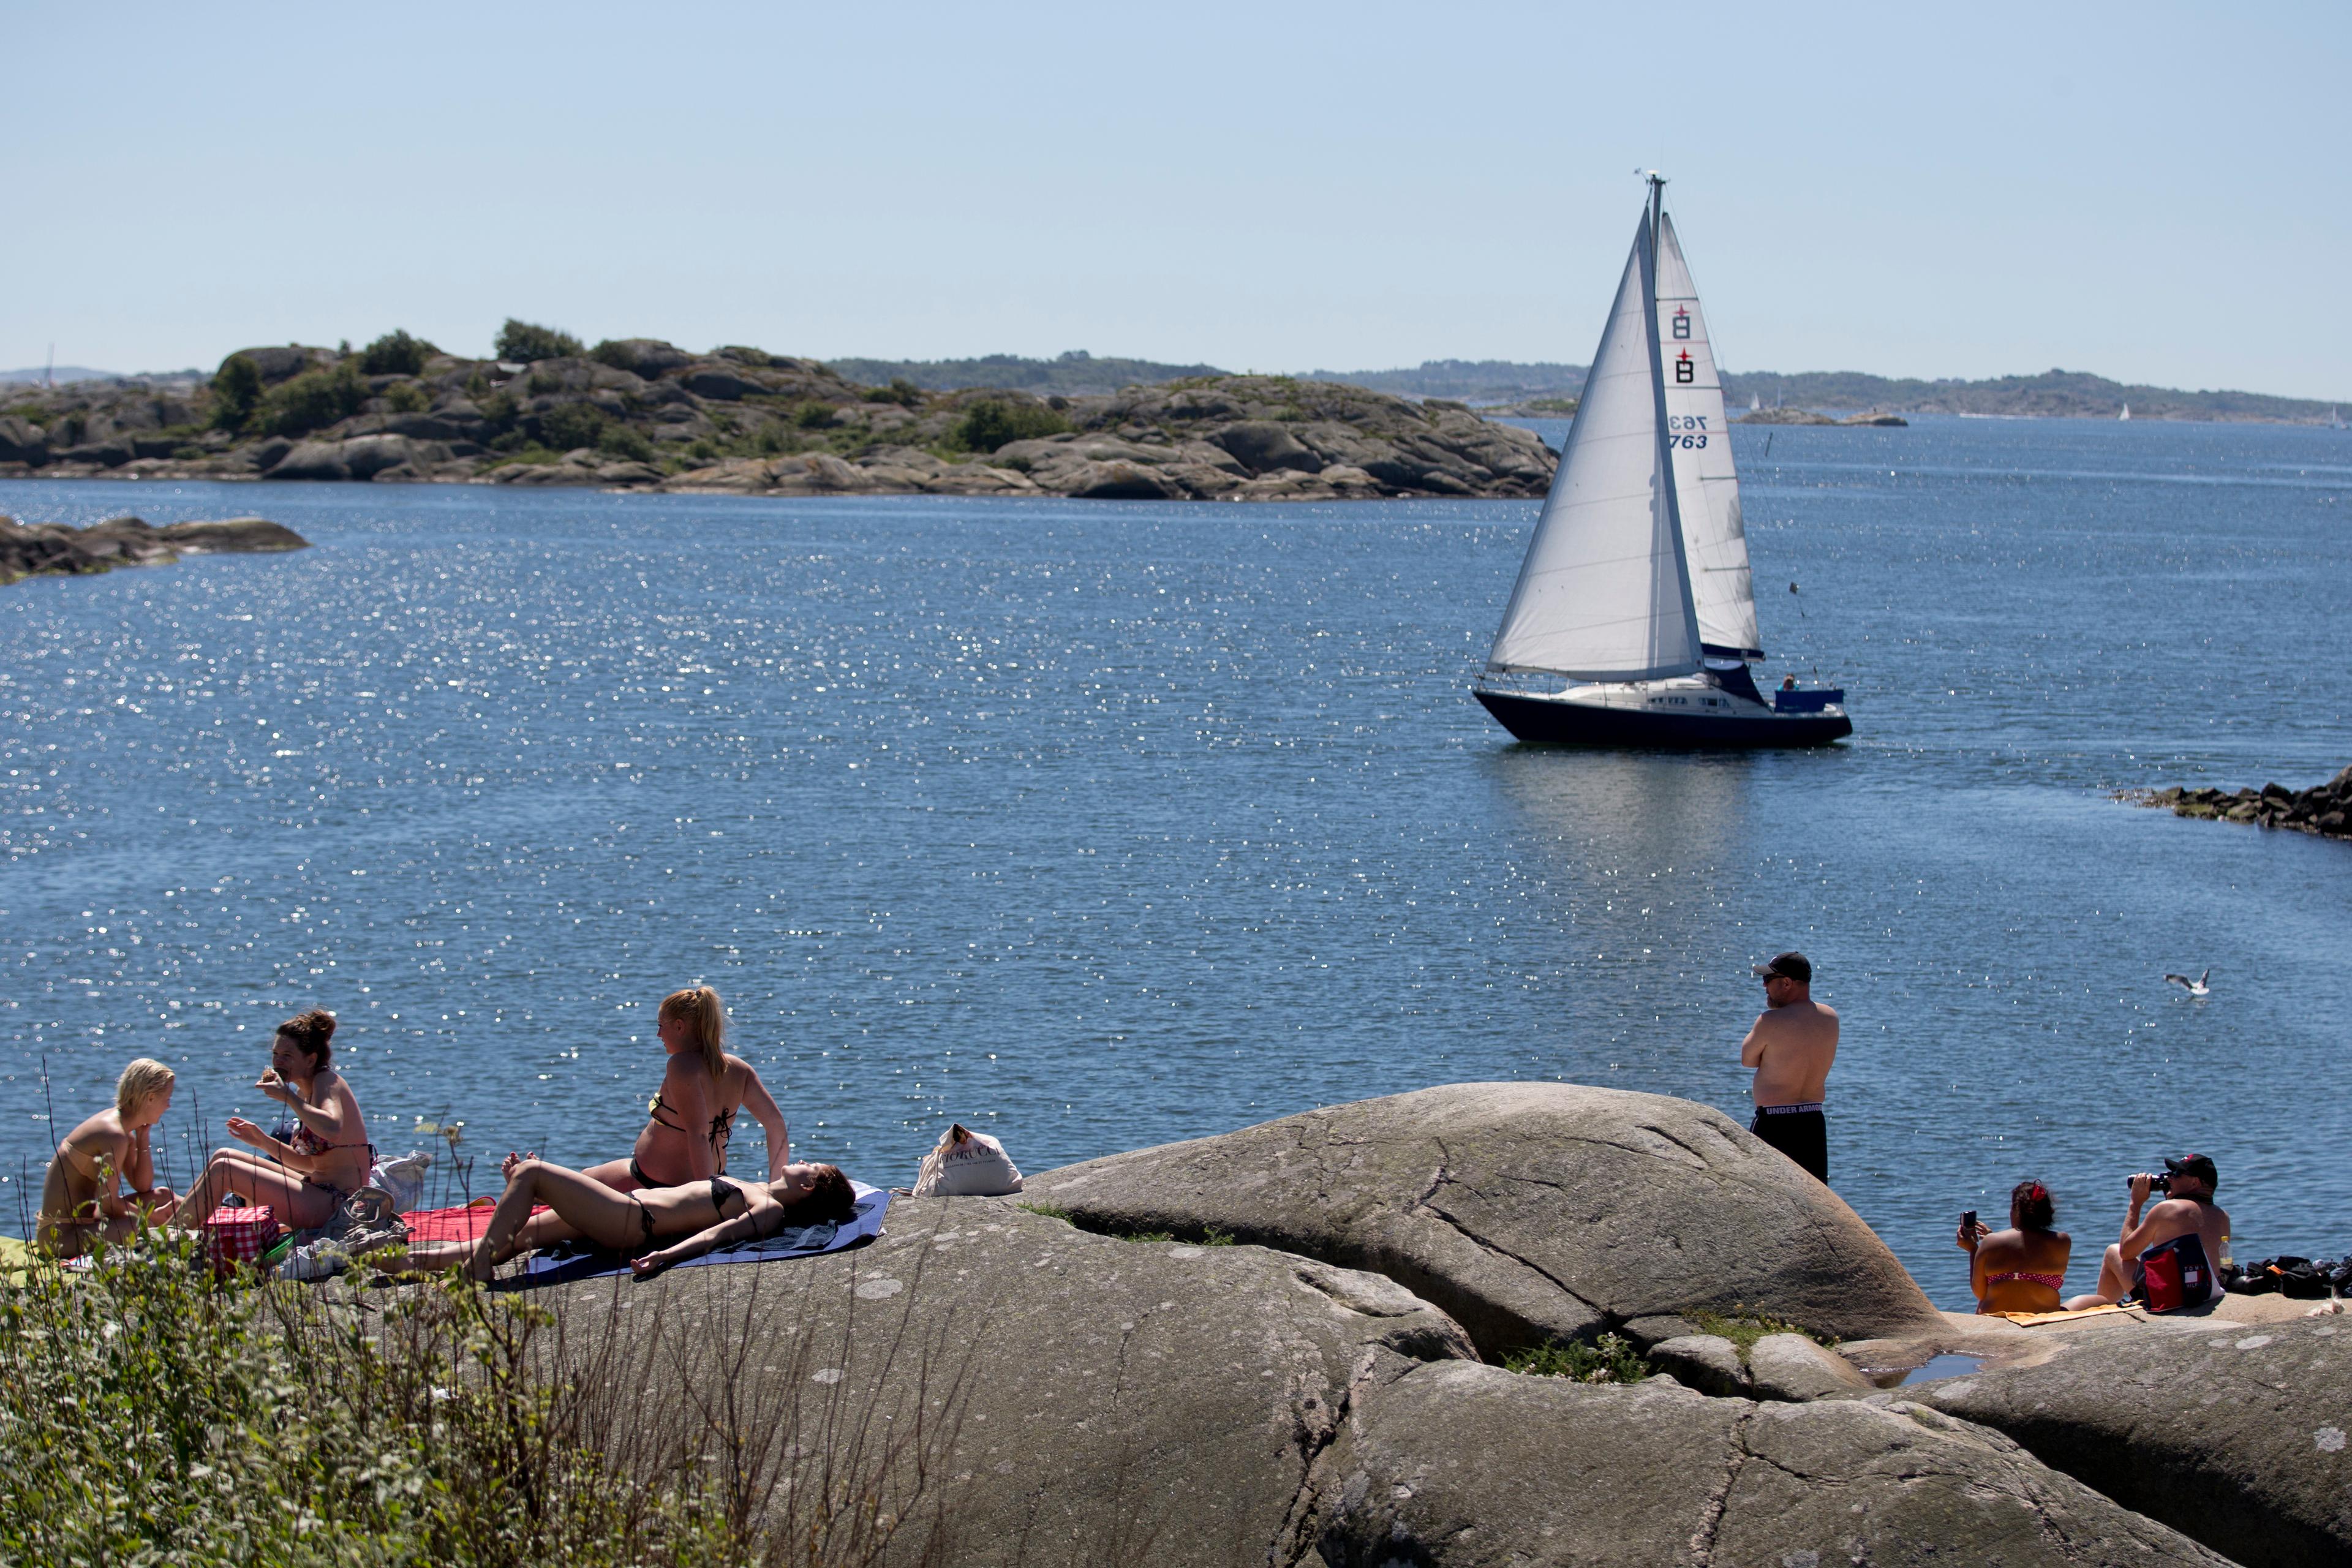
{"type": "Point", "coordinates": [1455, 1465]}
{"type": "Point", "coordinates": [1070, 1398]}
{"type": "Point", "coordinates": [22, 442]}
{"type": "Point", "coordinates": [1263, 445]}
{"type": "Point", "coordinates": [2234, 1432]}
{"type": "Point", "coordinates": [1527, 1211]}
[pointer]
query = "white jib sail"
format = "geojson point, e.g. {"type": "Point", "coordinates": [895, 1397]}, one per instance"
{"type": "Point", "coordinates": [1603, 594]}
{"type": "Point", "coordinates": [1715, 541]}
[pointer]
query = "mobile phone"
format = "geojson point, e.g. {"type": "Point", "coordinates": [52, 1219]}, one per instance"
{"type": "Point", "coordinates": [1969, 1222]}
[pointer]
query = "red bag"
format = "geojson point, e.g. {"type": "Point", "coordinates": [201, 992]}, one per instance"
{"type": "Point", "coordinates": [239, 1235]}
{"type": "Point", "coordinates": [2175, 1275]}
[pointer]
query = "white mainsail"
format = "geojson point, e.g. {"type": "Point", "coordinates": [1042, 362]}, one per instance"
{"type": "Point", "coordinates": [1706, 486]}
{"type": "Point", "coordinates": [1604, 593]}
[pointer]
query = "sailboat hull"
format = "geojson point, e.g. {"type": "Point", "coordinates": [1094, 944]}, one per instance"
{"type": "Point", "coordinates": [1567, 721]}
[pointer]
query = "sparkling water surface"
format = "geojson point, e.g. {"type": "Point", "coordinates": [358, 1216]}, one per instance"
{"type": "Point", "coordinates": [1100, 825]}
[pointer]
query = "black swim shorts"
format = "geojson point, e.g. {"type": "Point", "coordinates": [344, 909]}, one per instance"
{"type": "Point", "coordinates": [1801, 1132]}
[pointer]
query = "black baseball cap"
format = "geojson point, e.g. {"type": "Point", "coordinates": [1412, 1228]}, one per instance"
{"type": "Point", "coordinates": [2197, 1166]}
{"type": "Point", "coordinates": [1794, 966]}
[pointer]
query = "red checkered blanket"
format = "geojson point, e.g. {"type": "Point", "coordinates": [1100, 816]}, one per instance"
{"type": "Point", "coordinates": [466, 1224]}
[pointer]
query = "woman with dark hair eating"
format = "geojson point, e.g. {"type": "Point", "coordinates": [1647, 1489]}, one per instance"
{"type": "Point", "coordinates": [2022, 1268]}
{"type": "Point", "coordinates": [312, 1162]}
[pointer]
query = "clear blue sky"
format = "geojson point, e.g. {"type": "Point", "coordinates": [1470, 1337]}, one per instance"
{"type": "Point", "coordinates": [2156, 193]}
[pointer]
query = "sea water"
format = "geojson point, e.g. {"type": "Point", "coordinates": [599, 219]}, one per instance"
{"type": "Point", "coordinates": [1095, 824]}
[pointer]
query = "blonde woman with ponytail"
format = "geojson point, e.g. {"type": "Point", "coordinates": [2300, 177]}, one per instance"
{"type": "Point", "coordinates": [691, 1118]}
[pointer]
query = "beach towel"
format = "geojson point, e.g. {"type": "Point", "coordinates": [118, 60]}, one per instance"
{"type": "Point", "coordinates": [463, 1224]}
{"type": "Point", "coordinates": [2030, 1319]}
{"type": "Point", "coordinates": [573, 1260]}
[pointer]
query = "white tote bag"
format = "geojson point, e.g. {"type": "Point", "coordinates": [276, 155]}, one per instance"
{"type": "Point", "coordinates": [966, 1165]}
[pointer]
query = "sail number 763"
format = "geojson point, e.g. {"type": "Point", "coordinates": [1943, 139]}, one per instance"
{"type": "Point", "coordinates": [1686, 430]}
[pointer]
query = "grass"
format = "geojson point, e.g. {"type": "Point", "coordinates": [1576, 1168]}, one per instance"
{"type": "Point", "coordinates": [1610, 1359]}
{"type": "Point", "coordinates": [1744, 1329]}
{"type": "Point", "coordinates": [153, 1414]}
{"type": "Point", "coordinates": [1050, 1211]}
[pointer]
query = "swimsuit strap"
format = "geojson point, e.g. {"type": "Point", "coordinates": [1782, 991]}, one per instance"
{"type": "Point", "coordinates": [656, 1106]}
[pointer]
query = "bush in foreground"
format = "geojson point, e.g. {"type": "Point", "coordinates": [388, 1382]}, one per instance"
{"type": "Point", "coordinates": [152, 1416]}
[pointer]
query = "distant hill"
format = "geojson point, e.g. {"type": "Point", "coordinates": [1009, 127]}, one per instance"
{"type": "Point", "coordinates": [1072, 374]}
{"type": "Point", "coordinates": [1467, 380]}
{"type": "Point", "coordinates": [64, 373]}
{"type": "Point", "coordinates": [2056, 393]}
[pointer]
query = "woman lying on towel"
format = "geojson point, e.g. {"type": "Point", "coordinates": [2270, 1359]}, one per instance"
{"type": "Point", "coordinates": [2022, 1268]}
{"type": "Point", "coordinates": [708, 1214]}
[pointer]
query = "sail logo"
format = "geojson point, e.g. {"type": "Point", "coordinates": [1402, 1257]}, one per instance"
{"type": "Point", "coordinates": [1685, 372]}
{"type": "Point", "coordinates": [1682, 322]}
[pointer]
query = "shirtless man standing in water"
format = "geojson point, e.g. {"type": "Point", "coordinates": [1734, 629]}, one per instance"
{"type": "Point", "coordinates": [1790, 1048]}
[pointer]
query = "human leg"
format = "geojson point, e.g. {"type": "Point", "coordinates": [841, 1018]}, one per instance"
{"type": "Point", "coordinates": [587, 1206]}
{"type": "Point", "coordinates": [298, 1204]}
{"type": "Point", "coordinates": [2117, 1279]}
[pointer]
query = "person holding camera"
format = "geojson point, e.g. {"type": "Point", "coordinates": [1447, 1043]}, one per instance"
{"type": "Point", "coordinates": [2022, 1268]}
{"type": "Point", "coordinates": [2188, 1209]}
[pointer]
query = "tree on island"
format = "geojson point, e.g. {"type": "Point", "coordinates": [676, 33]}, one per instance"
{"type": "Point", "coordinates": [521, 342]}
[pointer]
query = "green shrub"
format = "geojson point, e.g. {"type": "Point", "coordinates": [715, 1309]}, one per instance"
{"type": "Point", "coordinates": [1049, 1211]}
{"type": "Point", "coordinates": [152, 1415]}
{"type": "Point", "coordinates": [312, 400]}
{"type": "Point", "coordinates": [1743, 1331]}
{"type": "Point", "coordinates": [770, 441]}
{"type": "Point", "coordinates": [622, 441]}
{"type": "Point", "coordinates": [989, 423]}
{"type": "Point", "coordinates": [569, 425]}
{"type": "Point", "coordinates": [614, 353]}
{"type": "Point", "coordinates": [813, 415]}
{"type": "Point", "coordinates": [522, 342]}
{"type": "Point", "coordinates": [900, 391]}
{"type": "Point", "coordinates": [237, 390]}
{"type": "Point", "coordinates": [499, 412]}
{"type": "Point", "coordinates": [407, 398]}
{"type": "Point", "coordinates": [396, 354]}
{"type": "Point", "coordinates": [1611, 1359]}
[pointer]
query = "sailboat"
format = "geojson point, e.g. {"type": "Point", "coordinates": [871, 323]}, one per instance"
{"type": "Point", "coordinates": [1633, 619]}
{"type": "Point", "coordinates": [2126, 413]}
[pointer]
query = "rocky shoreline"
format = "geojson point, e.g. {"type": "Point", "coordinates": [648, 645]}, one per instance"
{"type": "Point", "coordinates": [57, 549]}
{"type": "Point", "coordinates": [644, 414]}
{"type": "Point", "coordinates": [1326, 1339]}
{"type": "Point", "coordinates": [2323, 809]}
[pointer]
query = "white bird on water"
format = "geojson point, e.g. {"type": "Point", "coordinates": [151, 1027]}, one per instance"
{"type": "Point", "coordinates": [2197, 987]}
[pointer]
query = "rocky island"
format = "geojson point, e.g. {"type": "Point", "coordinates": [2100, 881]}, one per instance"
{"type": "Point", "coordinates": [639, 413]}
{"type": "Point", "coordinates": [2323, 809]}
{"type": "Point", "coordinates": [28, 550]}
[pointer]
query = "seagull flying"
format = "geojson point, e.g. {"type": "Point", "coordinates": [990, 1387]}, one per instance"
{"type": "Point", "coordinates": [2197, 987]}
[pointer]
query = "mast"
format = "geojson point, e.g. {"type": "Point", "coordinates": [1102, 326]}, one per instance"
{"type": "Point", "coordinates": [1667, 488]}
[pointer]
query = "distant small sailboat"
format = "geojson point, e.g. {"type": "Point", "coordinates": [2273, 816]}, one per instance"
{"type": "Point", "coordinates": [2126, 413]}
{"type": "Point", "coordinates": [1756, 404]}
{"type": "Point", "coordinates": [1633, 620]}
{"type": "Point", "coordinates": [2335, 420]}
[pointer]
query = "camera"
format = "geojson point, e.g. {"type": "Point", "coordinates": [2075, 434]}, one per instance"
{"type": "Point", "coordinates": [2160, 1183]}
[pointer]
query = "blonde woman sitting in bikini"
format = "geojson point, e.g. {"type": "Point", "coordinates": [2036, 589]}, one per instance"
{"type": "Point", "coordinates": [306, 1168]}
{"type": "Point", "coordinates": [712, 1213]}
{"type": "Point", "coordinates": [691, 1116]}
{"type": "Point", "coordinates": [2022, 1268]}
{"type": "Point", "coordinates": [81, 1196]}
